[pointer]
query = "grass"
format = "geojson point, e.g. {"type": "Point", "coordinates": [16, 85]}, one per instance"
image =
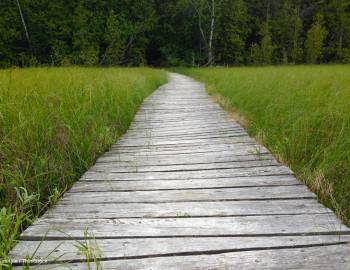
{"type": "Point", "coordinates": [301, 113]}
{"type": "Point", "coordinates": [54, 123]}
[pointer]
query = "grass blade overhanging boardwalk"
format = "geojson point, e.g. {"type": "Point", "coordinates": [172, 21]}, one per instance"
{"type": "Point", "coordinates": [187, 188]}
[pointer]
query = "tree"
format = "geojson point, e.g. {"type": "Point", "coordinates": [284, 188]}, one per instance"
{"type": "Point", "coordinates": [11, 39]}
{"type": "Point", "coordinates": [114, 43]}
{"type": "Point", "coordinates": [23, 21]}
{"type": "Point", "coordinates": [137, 18]}
{"type": "Point", "coordinates": [232, 33]}
{"type": "Point", "coordinates": [84, 42]}
{"type": "Point", "coordinates": [173, 32]}
{"type": "Point", "coordinates": [315, 40]}
{"type": "Point", "coordinates": [255, 54]}
{"type": "Point", "coordinates": [297, 51]}
{"type": "Point", "coordinates": [338, 19]}
{"type": "Point", "coordinates": [287, 29]}
{"type": "Point", "coordinates": [266, 45]}
{"type": "Point", "coordinates": [205, 11]}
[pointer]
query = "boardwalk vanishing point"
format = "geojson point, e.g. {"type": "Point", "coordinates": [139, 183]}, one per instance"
{"type": "Point", "coordinates": [186, 188]}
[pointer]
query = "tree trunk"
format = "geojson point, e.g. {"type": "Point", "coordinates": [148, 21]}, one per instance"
{"type": "Point", "coordinates": [200, 26]}
{"type": "Point", "coordinates": [295, 36]}
{"type": "Point", "coordinates": [23, 22]}
{"type": "Point", "coordinates": [210, 43]}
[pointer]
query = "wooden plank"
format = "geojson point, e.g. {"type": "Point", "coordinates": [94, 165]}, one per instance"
{"type": "Point", "coordinates": [309, 224]}
{"type": "Point", "coordinates": [199, 139]}
{"type": "Point", "coordinates": [257, 181]}
{"type": "Point", "coordinates": [312, 258]}
{"type": "Point", "coordinates": [197, 134]}
{"type": "Point", "coordinates": [185, 209]}
{"type": "Point", "coordinates": [196, 143]}
{"type": "Point", "coordinates": [186, 122]}
{"type": "Point", "coordinates": [187, 175]}
{"type": "Point", "coordinates": [179, 159]}
{"type": "Point", "coordinates": [68, 250]}
{"type": "Point", "coordinates": [150, 116]}
{"type": "Point", "coordinates": [220, 194]}
{"type": "Point", "coordinates": [208, 150]}
{"type": "Point", "coordinates": [191, 127]}
{"type": "Point", "coordinates": [241, 143]}
{"type": "Point", "coordinates": [203, 146]}
{"type": "Point", "coordinates": [192, 130]}
{"type": "Point", "coordinates": [214, 135]}
{"type": "Point", "coordinates": [248, 149]}
{"type": "Point", "coordinates": [174, 153]}
{"type": "Point", "coordinates": [114, 168]}
{"type": "Point", "coordinates": [182, 133]}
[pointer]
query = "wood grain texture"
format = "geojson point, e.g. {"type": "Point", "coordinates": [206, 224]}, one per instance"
{"type": "Point", "coordinates": [186, 226]}
{"type": "Point", "coordinates": [257, 181]}
{"type": "Point", "coordinates": [186, 209]}
{"type": "Point", "coordinates": [187, 188]}
{"type": "Point", "coordinates": [332, 257]}
{"type": "Point", "coordinates": [187, 175]}
{"type": "Point", "coordinates": [190, 195]}
{"type": "Point", "coordinates": [67, 250]}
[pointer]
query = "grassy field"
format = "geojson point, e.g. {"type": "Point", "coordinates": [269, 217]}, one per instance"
{"type": "Point", "coordinates": [54, 123]}
{"type": "Point", "coordinates": [302, 114]}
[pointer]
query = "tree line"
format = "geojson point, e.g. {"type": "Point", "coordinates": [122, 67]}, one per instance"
{"type": "Point", "coordinates": [173, 32]}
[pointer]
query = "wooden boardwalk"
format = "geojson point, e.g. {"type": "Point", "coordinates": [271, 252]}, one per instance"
{"type": "Point", "coordinates": [187, 188]}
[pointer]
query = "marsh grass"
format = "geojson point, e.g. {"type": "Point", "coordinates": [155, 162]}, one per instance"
{"type": "Point", "coordinates": [54, 123]}
{"type": "Point", "coordinates": [91, 251]}
{"type": "Point", "coordinates": [301, 113]}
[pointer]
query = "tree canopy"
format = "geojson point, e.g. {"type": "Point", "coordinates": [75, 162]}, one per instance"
{"type": "Point", "coordinates": [173, 32]}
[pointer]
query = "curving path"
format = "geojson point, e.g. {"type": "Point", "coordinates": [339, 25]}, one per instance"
{"type": "Point", "coordinates": [187, 188]}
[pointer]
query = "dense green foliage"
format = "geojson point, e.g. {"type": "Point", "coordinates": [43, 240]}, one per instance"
{"type": "Point", "coordinates": [173, 32]}
{"type": "Point", "coordinates": [302, 114]}
{"type": "Point", "coordinates": [54, 123]}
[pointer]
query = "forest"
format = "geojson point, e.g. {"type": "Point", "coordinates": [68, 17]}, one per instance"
{"type": "Point", "coordinates": [173, 32]}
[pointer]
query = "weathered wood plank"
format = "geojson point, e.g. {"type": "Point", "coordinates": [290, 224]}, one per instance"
{"type": "Point", "coordinates": [195, 143]}
{"type": "Point", "coordinates": [68, 250]}
{"type": "Point", "coordinates": [220, 194]}
{"type": "Point", "coordinates": [169, 132]}
{"type": "Point", "coordinates": [187, 175]}
{"type": "Point", "coordinates": [186, 123]}
{"type": "Point", "coordinates": [186, 209]}
{"type": "Point", "coordinates": [198, 139]}
{"type": "Point", "coordinates": [114, 168]}
{"type": "Point", "coordinates": [248, 149]}
{"type": "Point", "coordinates": [200, 126]}
{"type": "Point", "coordinates": [182, 227]}
{"type": "Point", "coordinates": [334, 257]}
{"type": "Point", "coordinates": [156, 135]}
{"type": "Point", "coordinates": [153, 151]}
{"type": "Point", "coordinates": [203, 146]}
{"type": "Point", "coordinates": [261, 181]}
{"type": "Point", "coordinates": [179, 159]}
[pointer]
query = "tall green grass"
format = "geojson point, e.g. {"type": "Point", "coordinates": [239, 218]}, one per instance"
{"type": "Point", "coordinates": [54, 123]}
{"type": "Point", "coordinates": [301, 113]}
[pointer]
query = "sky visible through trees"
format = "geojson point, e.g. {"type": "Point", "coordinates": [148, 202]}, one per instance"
{"type": "Point", "coordinates": [173, 32]}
